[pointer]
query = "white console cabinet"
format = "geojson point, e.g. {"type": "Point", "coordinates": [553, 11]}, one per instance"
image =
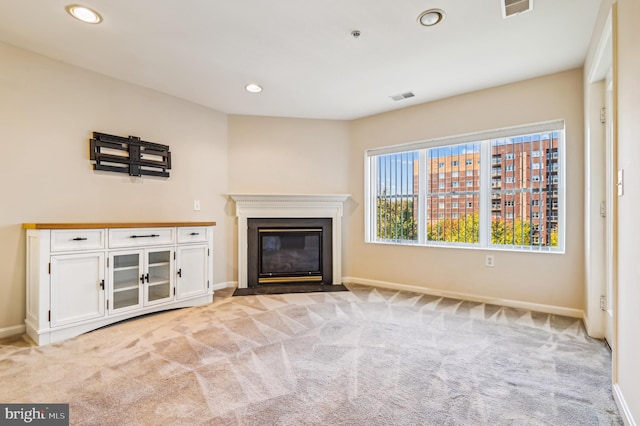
{"type": "Point", "coordinates": [81, 277]}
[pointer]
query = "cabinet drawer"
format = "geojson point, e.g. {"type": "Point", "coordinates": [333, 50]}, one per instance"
{"type": "Point", "coordinates": [77, 239]}
{"type": "Point", "coordinates": [140, 237]}
{"type": "Point", "coordinates": [193, 234]}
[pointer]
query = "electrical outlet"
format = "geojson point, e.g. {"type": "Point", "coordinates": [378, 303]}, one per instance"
{"type": "Point", "coordinates": [196, 205]}
{"type": "Point", "coordinates": [489, 261]}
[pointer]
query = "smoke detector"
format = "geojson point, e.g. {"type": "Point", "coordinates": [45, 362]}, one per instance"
{"type": "Point", "coordinates": [515, 7]}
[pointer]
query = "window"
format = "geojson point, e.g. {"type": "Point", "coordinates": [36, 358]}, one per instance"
{"type": "Point", "coordinates": [535, 178]}
{"type": "Point", "coordinates": [408, 203]}
{"type": "Point", "coordinates": [535, 166]}
{"type": "Point", "coordinates": [441, 175]}
{"type": "Point", "coordinates": [469, 173]}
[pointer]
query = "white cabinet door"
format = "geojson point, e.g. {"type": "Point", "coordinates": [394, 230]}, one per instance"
{"type": "Point", "coordinates": [158, 286]}
{"type": "Point", "coordinates": [193, 271]}
{"type": "Point", "coordinates": [77, 288]}
{"type": "Point", "coordinates": [126, 280]}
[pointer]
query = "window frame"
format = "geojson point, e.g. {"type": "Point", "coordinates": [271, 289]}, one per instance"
{"type": "Point", "coordinates": [485, 172]}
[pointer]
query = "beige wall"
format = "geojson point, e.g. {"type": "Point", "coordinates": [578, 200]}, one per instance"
{"type": "Point", "coordinates": [288, 155]}
{"type": "Point", "coordinates": [628, 81]}
{"type": "Point", "coordinates": [48, 111]}
{"type": "Point", "coordinates": [548, 279]}
{"type": "Point", "coordinates": [269, 155]}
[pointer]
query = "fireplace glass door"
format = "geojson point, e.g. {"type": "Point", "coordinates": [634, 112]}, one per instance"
{"type": "Point", "coordinates": [289, 255]}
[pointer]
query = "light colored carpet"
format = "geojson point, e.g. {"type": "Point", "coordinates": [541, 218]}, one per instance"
{"type": "Point", "coordinates": [364, 357]}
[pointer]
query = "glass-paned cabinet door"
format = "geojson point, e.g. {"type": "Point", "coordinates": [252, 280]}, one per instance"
{"type": "Point", "coordinates": [126, 279]}
{"type": "Point", "coordinates": [158, 277]}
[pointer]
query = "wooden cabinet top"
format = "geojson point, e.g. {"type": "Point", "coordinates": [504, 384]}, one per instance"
{"type": "Point", "coordinates": [112, 225]}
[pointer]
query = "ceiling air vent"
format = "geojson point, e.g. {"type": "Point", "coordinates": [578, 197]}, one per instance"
{"type": "Point", "coordinates": [515, 7]}
{"type": "Point", "coordinates": [402, 96]}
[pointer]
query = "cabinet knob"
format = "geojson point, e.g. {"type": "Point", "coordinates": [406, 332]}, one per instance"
{"type": "Point", "coordinates": [194, 233]}
{"type": "Point", "coordinates": [102, 284]}
{"type": "Point", "coordinates": [79, 239]}
{"type": "Point", "coordinates": [142, 278]}
{"type": "Point", "coordinates": [180, 272]}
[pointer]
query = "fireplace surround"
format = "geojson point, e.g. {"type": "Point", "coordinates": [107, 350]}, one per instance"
{"type": "Point", "coordinates": [282, 207]}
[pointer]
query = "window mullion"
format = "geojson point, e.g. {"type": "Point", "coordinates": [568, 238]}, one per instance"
{"type": "Point", "coordinates": [423, 174]}
{"type": "Point", "coordinates": [484, 210]}
{"type": "Point", "coordinates": [371, 200]}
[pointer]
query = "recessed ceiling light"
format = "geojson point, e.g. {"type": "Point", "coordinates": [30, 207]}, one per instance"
{"type": "Point", "coordinates": [431, 17]}
{"type": "Point", "coordinates": [253, 88]}
{"type": "Point", "coordinates": [84, 14]}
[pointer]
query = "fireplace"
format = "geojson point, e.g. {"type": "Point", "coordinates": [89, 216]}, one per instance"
{"type": "Point", "coordinates": [289, 250]}
{"type": "Point", "coordinates": [265, 207]}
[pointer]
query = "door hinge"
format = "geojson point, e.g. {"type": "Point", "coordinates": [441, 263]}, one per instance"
{"type": "Point", "coordinates": [49, 315]}
{"type": "Point", "coordinates": [174, 291]}
{"type": "Point", "coordinates": [107, 304]}
{"type": "Point", "coordinates": [207, 284]}
{"type": "Point", "coordinates": [603, 115]}
{"type": "Point", "coordinates": [107, 262]}
{"type": "Point", "coordinates": [49, 268]}
{"type": "Point", "coordinates": [208, 252]}
{"type": "Point", "coordinates": [174, 255]}
{"type": "Point", "coordinates": [603, 209]}
{"type": "Point", "coordinates": [603, 303]}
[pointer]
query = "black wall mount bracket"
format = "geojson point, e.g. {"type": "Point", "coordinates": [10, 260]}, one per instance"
{"type": "Point", "coordinates": [129, 155]}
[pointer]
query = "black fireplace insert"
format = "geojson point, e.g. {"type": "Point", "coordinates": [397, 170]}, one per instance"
{"type": "Point", "coordinates": [289, 250]}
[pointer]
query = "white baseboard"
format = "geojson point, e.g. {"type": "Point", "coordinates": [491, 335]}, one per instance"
{"type": "Point", "coordinates": [222, 286]}
{"type": "Point", "coordinates": [12, 331]}
{"type": "Point", "coordinates": [549, 309]}
{"type": "Point", "coordinates": [625, 412]}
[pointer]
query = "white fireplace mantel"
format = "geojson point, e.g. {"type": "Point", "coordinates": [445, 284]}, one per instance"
{"type": "Point", "coordinates": [249, 206]}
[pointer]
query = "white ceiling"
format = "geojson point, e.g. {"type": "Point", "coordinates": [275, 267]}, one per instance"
{"type": "Point", "coordinates": [302, 51]}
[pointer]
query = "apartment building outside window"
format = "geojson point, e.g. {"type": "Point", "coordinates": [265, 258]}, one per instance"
{"type": "Point", "coordinates": [410, 190]}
